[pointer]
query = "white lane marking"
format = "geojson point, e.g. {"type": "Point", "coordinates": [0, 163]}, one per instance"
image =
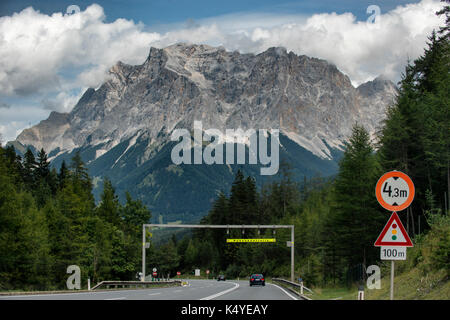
{"type": "Point", "coordinates": [67, 294]}
{"type": "Point", "coordinates": [120, 298]}
{"type": "Point", "coordinates": [154, 294]}
{"type": "Point", "coordinates": [236, 285]}
{"type": "Point", "coordinates": [287, 293]}
{"type": "Point", "coordinates": [53, 294]}
{"type": "Point", "coordinates": [178, 290]}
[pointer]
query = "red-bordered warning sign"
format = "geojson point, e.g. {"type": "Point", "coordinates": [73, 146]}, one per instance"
{"type": "Point", "coordinates": [393, 234]}
{"type": "Point", "coordinates": [395, 191]}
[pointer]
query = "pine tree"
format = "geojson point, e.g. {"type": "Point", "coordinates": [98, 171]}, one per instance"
{"type": "Point", "coordinates": [63, 175]}
{"type": "Point", "coordinates": [445, 30]}
{"type": "Point", "coordinates": [80, 175]}
{"type": "Point", "coordinates": [29, 167]}
{"type": "Point", "coordinates": [237, 199]}
{"type": "Point", "coordinates": [42, 178]}
{"type": "Point", "coordinates": [415, 137]}
{"type": "Point", "coordinates": [43, 166]}
{"type": "Point", "coordinates": [24, 252]}
{"type": "Point", "coordinates": [134, 213]}
{"type": "Point", "coordinates": [109, 208]}
{"type": "Point", "coordinates": [356, 215]}
{"type": "Point", "coordinates": [14, 164]}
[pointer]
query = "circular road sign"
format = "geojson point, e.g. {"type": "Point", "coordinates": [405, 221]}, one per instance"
{"type": "Point", "coordinates": [395, 191]}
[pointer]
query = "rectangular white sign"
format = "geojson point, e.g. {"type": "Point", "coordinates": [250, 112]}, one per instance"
{"type": "Point", "coordinates": [393, 253]}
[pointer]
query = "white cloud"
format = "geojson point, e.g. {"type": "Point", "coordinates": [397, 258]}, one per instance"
{"type": "Point", "coordinates": [63, 101]}
{"type": "Point", "coordinates": [359, 49]}
{"type": "Point", "coordinates": [13, 120]}
{"type": "Point", "coordinates": [35, 47]}
{"type": "Point", "coordinates": [52, 56]}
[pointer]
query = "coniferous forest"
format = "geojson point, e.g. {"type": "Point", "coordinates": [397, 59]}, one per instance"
{"type": "Point", "coordinates": [50, 220]}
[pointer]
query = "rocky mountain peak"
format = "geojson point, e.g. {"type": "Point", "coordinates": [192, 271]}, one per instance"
{"type": "Point", "coordinates": [376, 86]}
{"type": "Point", "coordinates": [308, 99]}
{"type": "Point", "coordinates": [123, 128]}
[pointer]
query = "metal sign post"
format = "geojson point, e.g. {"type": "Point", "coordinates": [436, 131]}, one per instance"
{"type": "Point", "coordinates": [395, 192]}
{"type": "Point", "coordinates": [392, 280]}
{"type": "Point", "coordinates": [143, 253]}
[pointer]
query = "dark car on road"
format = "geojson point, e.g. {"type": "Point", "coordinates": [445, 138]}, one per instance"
{"type": "Point", "coordinates": [257, 279]}
{"type": "Point", "coordinates": [221, 277]}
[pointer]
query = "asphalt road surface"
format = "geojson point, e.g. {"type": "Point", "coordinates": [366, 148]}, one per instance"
{"type": "Point", "coordinates": [196, 290]}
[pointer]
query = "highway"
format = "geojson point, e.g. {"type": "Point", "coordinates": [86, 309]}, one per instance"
{"type": "Point", "coordinates": [196, 290]}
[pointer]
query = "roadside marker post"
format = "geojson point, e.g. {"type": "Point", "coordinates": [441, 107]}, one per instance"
{"type": "Point", "coordinates": [395, 192]}
{"type": "Point", "coordinates": [361, 292]}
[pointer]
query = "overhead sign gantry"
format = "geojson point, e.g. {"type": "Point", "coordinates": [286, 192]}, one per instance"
{"type": "Point", "coordinates": [221, 226]}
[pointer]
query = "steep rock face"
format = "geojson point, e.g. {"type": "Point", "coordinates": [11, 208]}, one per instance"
{"type": "Point", "coordinates": [308, 99]}
{"type": "Point", "coordinates": [49, 133]}
{"type": "Point", "coordinates": [123, 128]}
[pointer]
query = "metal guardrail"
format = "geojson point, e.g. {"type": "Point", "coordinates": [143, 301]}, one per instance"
{"type": "Point", "coordinates": [137, 284]}
{"type": "Point", "coordinates": [294, 287]}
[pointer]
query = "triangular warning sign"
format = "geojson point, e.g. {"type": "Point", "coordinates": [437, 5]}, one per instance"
{"type": "Point", "coordinates": [393, 234]}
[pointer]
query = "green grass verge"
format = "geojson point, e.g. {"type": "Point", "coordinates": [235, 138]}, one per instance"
{"type": "Point", "coordinates": [334, 293]}
{"type": "Point", "coordinates": [413, 285]}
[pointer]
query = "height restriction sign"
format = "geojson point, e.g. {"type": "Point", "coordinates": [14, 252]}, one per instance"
{"type": "Point", "coordinates": [395, 191]}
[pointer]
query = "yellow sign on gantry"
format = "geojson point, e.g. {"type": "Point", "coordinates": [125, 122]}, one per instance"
{"type": "Point", "coordinates": [251, 240]}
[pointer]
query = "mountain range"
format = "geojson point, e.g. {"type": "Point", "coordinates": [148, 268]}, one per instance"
{"type": "Point", "coordinates": [123, 128]}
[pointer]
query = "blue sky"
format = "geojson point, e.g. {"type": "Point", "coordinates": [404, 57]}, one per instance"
{"type": "Point", "coordinates": [160, 12]}
{"type": "Point", "coordinates": [48, 58]}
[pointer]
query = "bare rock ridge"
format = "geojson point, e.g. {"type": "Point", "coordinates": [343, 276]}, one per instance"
{"type": "Point", "coordinates": [122, 129]}
{"type": "Point", "coordinates": [48, 134]}
{"type": "Point", "coordinates": [308, 99]}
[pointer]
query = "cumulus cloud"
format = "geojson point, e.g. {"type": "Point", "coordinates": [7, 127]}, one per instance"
{"type": "Point", "coordinates": [13, 120]}
{"type": "Point", "coordinates": [62, 102]}
{"type": "Point", "coordinates": [36, 48]}
{"type": "Point", "coordinates": [361, 49]}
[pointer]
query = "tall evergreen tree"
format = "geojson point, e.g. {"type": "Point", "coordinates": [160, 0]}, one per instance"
{"type": "Point", "coordinates": [80, 175]}
{"type": "Point", "coordinates": [134, 213]}
{"type": "Point", "coordinates": [29, 167]}
{"type": "Point", "coordinates": [415, 137]}
{"type": "Point", "coordinates": [109, 208]}
{"type": "Point", "coordinates": [356, 215]}
{"type": "Point", "coordinates": [42, 166]}
{"type": "Point", "coordinates": [63, 175]}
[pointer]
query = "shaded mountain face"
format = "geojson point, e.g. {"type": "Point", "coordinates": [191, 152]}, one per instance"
{"type": "Point", "coordinates": [123, 128]}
